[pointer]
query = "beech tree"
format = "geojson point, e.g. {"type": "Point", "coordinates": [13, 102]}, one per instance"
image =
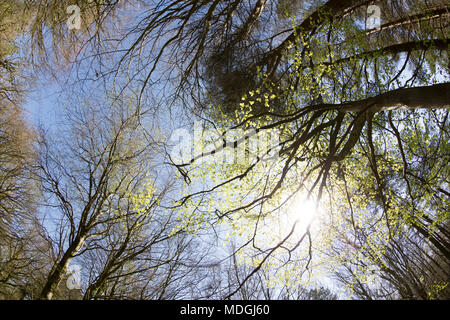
{"type": "Point", "coordinates": [351, 105]}
{"type": "Point", "coordinates": [346, 100]}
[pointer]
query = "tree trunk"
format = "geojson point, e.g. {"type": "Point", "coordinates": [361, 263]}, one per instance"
{"type": "Point", "coordinates": [429, 97]}
{"type": "Point", "coordinates": [59, 270]}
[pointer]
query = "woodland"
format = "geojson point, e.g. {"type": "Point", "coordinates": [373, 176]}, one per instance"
{"type": "Point", "coordinates": [224, 149]}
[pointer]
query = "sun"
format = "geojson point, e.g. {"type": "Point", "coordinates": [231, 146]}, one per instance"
{"type": "Point", "coordinates": [303, 212]}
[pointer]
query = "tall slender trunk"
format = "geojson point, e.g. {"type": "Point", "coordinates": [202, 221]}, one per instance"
{"type": "Point", "coordinates": [59, 270]}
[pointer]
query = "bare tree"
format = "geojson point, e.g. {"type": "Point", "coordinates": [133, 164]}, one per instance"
{"type": "Point", "coordinates": [89, 174]}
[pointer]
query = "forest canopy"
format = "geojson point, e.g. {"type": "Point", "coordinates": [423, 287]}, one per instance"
{"type": "Point", "coordinates": [225, 149]}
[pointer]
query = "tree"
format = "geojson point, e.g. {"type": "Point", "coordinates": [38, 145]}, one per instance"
{"type": "Point", "coordinates": [139, 258]}
{"type": "Point", "coordinates": [359, 113]}
{"type": "Point", "coordinates": [12, 26]}
{"type": "Point", "coordinates": [91, 176]}
{"type": "Point", "coordinates": [395, 261]}
{"type": "Point", "coordinates": [91, 191]}
{"type": "Point", "coordinates": [344, 104]}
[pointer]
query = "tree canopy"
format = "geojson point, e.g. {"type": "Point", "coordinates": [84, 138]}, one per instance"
{"type": "Point", "coordinates": [309, 137]}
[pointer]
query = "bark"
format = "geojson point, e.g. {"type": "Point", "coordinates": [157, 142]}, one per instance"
{"type": "Point", "coordinates": [440, 44]}
{"type": "Point", "coordinates": [58, 272]}
{"type": "Point", "coordinates": [428, 97]}
{"type": "Point", "coordinates": [427, 15]}
{"type": "Point", "coordinates": [246, 29]}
